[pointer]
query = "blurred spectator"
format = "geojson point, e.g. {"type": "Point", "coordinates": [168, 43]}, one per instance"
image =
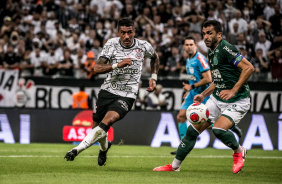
{"type": "Point", "coordinates": [275, 58]}
{"type": "Point", "coordinates": [274, 19]}
{"type": "Point", "coordinates": [52, 61]}
{"type": "Point", "coordinates": [64, 14]}
{"type": "Point", "coordinates": [242, 24]}
{"type": "Point", "coordinates": [97, 49]}
{"type": "Point", "coordinates": [173, 66]}
{"type": "Point", "coordinates": [11, 59]}
{"type": "Point", "coordinates": [89, 65]}
{"type": "Point", "coordinates": [81, 100]}
{"type": "Point", "coordinates": [79, 59]}
{"type": "Point", "coordinates": [269, 9]}
{"type": "Point", "coordinates": [261, 65]}
{"type": "Point", "coordinates": [93, 16]}
{"type": "Point", "coordinates": [65, 66]}
{"type": "Point", "coordinates": [37, 61]}
{"type": "Point", "coordinates": [263, 44]}
{"type": "Point", "coordinates": [156, 100]}
{"type": "Point", "coordinates": [128, 11]}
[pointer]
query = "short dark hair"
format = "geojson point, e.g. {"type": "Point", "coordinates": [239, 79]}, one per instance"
{"type": "Point", "coordinates": [190, 38]}
{"type": "Point", "coordinates": [125, 22]}
{"type": "Point", "coordinates": [215, 24]}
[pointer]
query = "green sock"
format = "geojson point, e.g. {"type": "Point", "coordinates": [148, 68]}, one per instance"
{"type": "Point", "coordinates": [182, 127]}
{"type": "Point", "coordinates": [187, 143]}
{"type": "Point", "coordinates": [226, 137]}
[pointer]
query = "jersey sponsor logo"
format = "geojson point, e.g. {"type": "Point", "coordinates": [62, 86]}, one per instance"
{"type": "Point", "coordinates": [216, 75]}
{"type": "Point", "coordinates": [216, 50]}
{"type": "Point", "coordinates": [121, 87]}
{"type": "Point", "coordinates": [229, 51]}
{"type": "Point", "coordinates": [123, 104]}
{"type": "Point", "coordinates": [221, 86]}
{"type": "Point", "coordinates": [139, 54]}
{"type": "Point", "coordinates": [128, 71]}
{"type": "Point", "coordinates": [203, 62]}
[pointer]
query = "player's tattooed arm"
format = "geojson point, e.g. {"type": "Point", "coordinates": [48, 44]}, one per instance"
{"type": "Point", "coordinates": [103, 66]}
{"type": "Point", "coordinates": [155, 63]}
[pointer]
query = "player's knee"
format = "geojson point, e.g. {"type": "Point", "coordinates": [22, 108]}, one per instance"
{"type": "Point", "coordinates": [218, 132]}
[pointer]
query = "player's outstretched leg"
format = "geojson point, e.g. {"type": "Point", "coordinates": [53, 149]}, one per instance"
{"type": "Point", "coordinates": [229, 140]}
{"type": "Point", "coordinates": [102, 157]}
{"type": "Point", "coordinates": [92, 137]}
{"type": "Point", "coordinates": [187, 144]}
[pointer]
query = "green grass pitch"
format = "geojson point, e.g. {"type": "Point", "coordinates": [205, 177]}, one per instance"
{"type": "Point", "coordinates": [44, 163]}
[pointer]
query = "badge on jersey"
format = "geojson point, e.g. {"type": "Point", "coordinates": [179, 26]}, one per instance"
{"type": "Point", "coordinates": [191, 70]}
{"type": "Point", "coordinates": [139, 53]}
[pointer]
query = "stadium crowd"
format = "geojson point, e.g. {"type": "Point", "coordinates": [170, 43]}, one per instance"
{"type": "Point", "coordinates": [63, 38]}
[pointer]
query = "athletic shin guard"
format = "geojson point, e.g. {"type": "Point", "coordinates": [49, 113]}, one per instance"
{"type": "Point", "coordinates": [226, 137]}
{"type": "Point", "coordinates": [187, 143]}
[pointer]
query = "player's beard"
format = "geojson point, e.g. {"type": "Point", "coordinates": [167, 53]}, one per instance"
{"type": "Point", "coordinates": [213, 43]}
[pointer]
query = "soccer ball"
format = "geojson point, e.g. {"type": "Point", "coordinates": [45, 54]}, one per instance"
{"type": "Point", "coordinates": [197, 113]}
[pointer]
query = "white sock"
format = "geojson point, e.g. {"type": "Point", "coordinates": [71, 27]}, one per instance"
{"type": "Point", "coordinates": [238, 150]}
{"type": "Point", "coordinates": [103, 143]}
{"type": "Point", "coordinates": [92, 137]}
{"type": "Point", "coordinates": [176, 163]}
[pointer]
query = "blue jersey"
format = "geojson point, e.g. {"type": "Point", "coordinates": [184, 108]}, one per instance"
{"type": "Point", "coordinates": [195, 67]}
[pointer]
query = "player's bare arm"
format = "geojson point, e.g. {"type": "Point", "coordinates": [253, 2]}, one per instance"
{"type": "Point", "coordinates": [102, 65]}
{"type": "Point", "coordinates": [200, 97]}
{"type": "Point", "coordinates": [207, 78]}
{"type": "Point", "coordinates": [247, 70]}
{"type": "Point", "coordinates": [155, 62]}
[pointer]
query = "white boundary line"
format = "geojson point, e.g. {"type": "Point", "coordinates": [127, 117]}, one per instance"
{"type": "Point", "coordinates": [161, 156]}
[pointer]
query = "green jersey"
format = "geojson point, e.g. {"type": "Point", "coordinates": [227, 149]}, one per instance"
{"type": "Point", "coordinates": [224, 60]}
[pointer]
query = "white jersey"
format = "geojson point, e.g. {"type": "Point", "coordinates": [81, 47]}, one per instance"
{"type": "Point", "coordinates": [124, 81]}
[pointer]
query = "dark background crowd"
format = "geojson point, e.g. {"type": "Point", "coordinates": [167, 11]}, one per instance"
{"type": "Point", "coordinates": [63, 38]}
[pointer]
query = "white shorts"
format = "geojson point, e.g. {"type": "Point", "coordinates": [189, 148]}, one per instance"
{"type": "Point", "coordinates": [233, 111]}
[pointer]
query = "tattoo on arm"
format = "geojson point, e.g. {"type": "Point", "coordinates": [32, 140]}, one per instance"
{"type": "Point", "coordinates": [155, 62]}
{"type": "Point", "coordinates": [102, 66]}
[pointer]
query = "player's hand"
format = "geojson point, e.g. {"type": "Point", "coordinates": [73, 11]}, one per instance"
{"type": "Point", "coordinates": [152, 86]}
{"type": "Point", "coordinates": [227, 94]}
{"type": "Point", "coordinates": [124, 63]}
{"type": "Point", "coordinates": [186, 87]}
{"type": "Point", "coordinates": [199, 98]}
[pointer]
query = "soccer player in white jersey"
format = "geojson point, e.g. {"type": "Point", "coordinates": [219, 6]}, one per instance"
{"type": "Point", "coordinates": [122, 59]}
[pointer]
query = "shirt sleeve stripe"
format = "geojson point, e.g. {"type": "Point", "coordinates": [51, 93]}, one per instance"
{"type": "Point", "coordinates": [203, 62]}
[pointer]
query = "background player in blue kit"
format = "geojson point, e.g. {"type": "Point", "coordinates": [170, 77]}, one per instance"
{"type": "Point", "coordinates": [199, 77]}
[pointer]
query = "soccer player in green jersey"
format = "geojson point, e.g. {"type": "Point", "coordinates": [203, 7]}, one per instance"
{"type": "Point", "coordinates": [229, 97]}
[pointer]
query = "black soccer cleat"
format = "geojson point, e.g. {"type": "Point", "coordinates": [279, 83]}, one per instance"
{"type": "Point", "coordinates": [237, 130]}
{"type": "Point", "coordinates": [102, 157]}
{"type": "Point", "coordinates": [71, 155]}
{"type": "Point", "coordinates": [173, 152]}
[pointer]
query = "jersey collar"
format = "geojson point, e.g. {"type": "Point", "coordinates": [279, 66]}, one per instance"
{"type": "Point", "coordinates": [129, 46]}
